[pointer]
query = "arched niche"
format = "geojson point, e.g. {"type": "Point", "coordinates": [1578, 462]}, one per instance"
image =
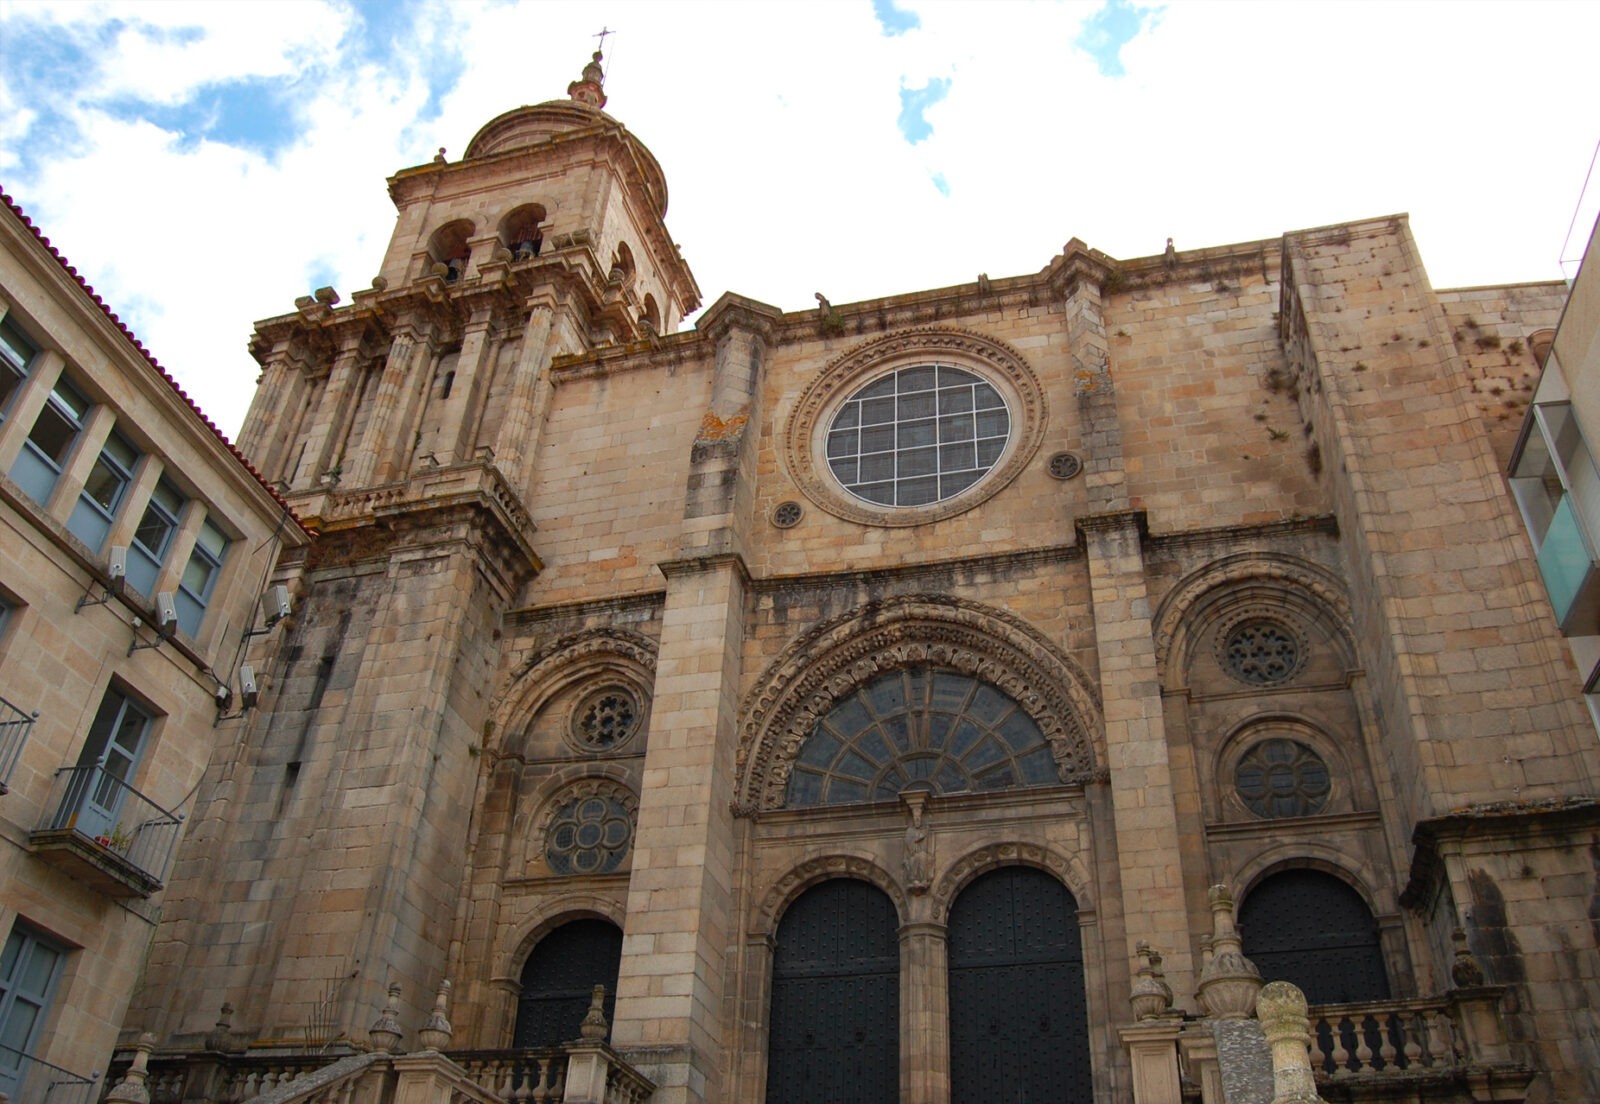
{"type": "Point", "coordinates": [831, 662]}
{"type": "Point", "coordinates": [1206, 615]}
{"type": "Point", "coordinates": [547, 701]}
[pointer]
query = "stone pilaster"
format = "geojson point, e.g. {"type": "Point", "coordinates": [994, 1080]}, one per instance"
{"type": "Point", "coordinates": [680, 898]}
{"type": "Point", "coordinates": [377, 440]}
{"type": "Point", "coordinates": [924, 1013]}
{"type": "Point", "coordinates": [514, 447]}
{"type": "Point", "coordinates": [331, 422]}
{"type": "Point", "coordinates": [474, 372]}
{"type": "Point", "coordinates": [1148, 854]}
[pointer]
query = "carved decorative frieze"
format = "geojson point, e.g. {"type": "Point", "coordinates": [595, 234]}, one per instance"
{"type": "Point", "coordinates": [828, 663]}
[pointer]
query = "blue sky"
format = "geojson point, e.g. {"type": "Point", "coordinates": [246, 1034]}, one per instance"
{"type": "Point", "coordinates": [205, 163]}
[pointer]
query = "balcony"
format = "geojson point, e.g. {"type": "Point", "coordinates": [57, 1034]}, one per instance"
{"type": "Point", "coordinates": [26, 1078]}
{"type": "Point", "coordinates": [15, 725]}
{"type": "Point", "coordinates": [102, 831]}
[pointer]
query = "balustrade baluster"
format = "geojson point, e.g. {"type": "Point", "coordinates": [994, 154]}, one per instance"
{"type": "Point", "coordinates": [1363, 1044]}
{"type": "Point", "coordinates": [1341, 1051]}
{"type": "Point", "coordinates": [1413, 1033]}
{"type": "Point", "coordinates": [1388, 1024]}
{"type": "Point", "coordinates": [1439, 1042]}
{"type": "Point", "coordinates": [1319, 1059]}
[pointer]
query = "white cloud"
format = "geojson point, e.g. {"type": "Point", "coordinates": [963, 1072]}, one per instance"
{"type": "Point", "coordinates": [775, 124]}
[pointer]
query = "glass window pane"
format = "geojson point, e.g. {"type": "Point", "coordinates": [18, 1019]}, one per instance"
{"type": "Point", "coordinates": [104, 485]}
{"type": "Point", "coordinates": [53, 434]}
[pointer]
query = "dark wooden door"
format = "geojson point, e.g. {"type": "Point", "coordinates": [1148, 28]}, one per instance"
{"type": "Point", "coordinates": [1312, 929]}
{"type": "Point", "coordinates": [835, 1020]}
{"type": "Point", "coordinates": [558, 978]}
{"type": "Point", "coordinates": [1019, 1027]}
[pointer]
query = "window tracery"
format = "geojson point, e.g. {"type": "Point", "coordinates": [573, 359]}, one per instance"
{"type": "Point", "coordinates": [1282, 778]}
{"type": "Point", "coordinates": [952, 732]}
{"type": "Point", "coordinates": [590, 829]}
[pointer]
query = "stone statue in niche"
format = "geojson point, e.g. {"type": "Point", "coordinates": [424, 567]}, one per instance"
{"type": "Point", "coordinates": [918, 858]}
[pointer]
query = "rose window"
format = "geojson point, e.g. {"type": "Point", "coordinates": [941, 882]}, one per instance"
{"type": "Point", "coordinates": [606, 718]}
{"type": "Point", "coordinates": [1261, 653]}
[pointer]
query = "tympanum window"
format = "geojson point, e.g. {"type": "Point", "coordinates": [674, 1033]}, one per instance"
{"type": "Point", "coordinates": [589, 835]}
{"type": "Point", "coordinates": [948, 730]}
{"type": "Point", "coordinates": [1261, 653]}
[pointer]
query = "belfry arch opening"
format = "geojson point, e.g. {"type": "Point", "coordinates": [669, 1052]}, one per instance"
{"type": "Point", "coordinates": [522, 231]}
{"type": "Point", "coordinates": [448, 250]}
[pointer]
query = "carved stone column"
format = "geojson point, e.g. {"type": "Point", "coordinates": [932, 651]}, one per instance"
{"type": "Point", "coordinates": [514, 447]}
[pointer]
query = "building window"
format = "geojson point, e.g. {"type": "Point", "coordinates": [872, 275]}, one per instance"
{"type": "Point", "coordinates": [153, 538]}
{"type": "Point", "coordinates": [1282, 778]}
{"type": "Point", "coordinates": [29, 969]}
{"type": "Point", "coordinates": [200, 577]}
{"type": "Point", "coordinates": [103, 491]}
{"type": "Point", "coordinates": [940, 728]}
{"type": "Point", "coordinates": [45, 452]}
{"type": "Point", "coordinates": [918, 435]}
{"type": "Point", "coordinates": [116, 742]}
{"type": "Point", "coordinates": [1557, 487]}
{"type": "Point", "coordinates": [16, 354]}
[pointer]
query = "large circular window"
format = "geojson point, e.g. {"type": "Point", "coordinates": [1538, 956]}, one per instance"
{"type": "Point", "coordinates": [914, 427]}
{"type": "Point", "coordinates": [1282, 778]}
{"type": "Point", "coordinates": [918, 435]}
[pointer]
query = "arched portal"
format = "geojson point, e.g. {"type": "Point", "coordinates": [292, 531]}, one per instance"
{"type": "Point", "coordinates": [835, 1020]}
{"type": "Point", "coordinates": [1019, 1025]}
{"type": "Point", "coordinates": [1312, 929]}
{"type": "Point", "coordinates": [559, 977]}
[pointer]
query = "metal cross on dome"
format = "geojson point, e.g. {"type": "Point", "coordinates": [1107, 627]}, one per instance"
{"type": "Point", "coordinates": [602, 37]}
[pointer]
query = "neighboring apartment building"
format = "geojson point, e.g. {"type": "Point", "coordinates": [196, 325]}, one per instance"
{"type": "Point", "coordinates": [1554, 473]}
{"type": "Point", "coordinates": [134, 545]}
{"type": "Point", "coordinates": [866, 694]}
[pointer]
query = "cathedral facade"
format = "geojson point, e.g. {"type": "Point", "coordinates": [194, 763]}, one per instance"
{"type": "Point", "coordinates": [871, 696]}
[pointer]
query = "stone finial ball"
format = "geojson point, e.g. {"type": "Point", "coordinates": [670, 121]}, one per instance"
{"type": "Point", "coordinates": [1278, 999]}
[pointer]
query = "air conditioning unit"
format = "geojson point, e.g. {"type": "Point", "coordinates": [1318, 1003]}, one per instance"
{"type": "Point", "coordinates": [117, 568]}
{"type": "Point", "coordinates": [275, 605]}
{"type": "Point", "coordinates": [248, 692]}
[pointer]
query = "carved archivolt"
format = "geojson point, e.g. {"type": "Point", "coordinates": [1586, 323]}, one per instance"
{"type": "Point", "coordinates": [1068, 869]}
{"type": "Point", "coordinates": [828, 663]}
{"type": "Point", "coordinates": [809, 873]}
{"type": "Point", "coordinates": [1174, 623]}
{"type": "Point", "coordinates": [995, 360]}
{"type": "Point", "coordinates": [571, 659]}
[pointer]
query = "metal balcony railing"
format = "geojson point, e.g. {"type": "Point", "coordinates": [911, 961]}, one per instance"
{"type": "Point", "coordinates": [26, 1078]}
{"type": "Point", "coordinates": [101, 809]}
{"type": "Point", "coordinates": [15, 725]}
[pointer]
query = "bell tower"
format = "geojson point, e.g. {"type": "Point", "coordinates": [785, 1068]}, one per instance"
{"type": "Point", "coordinates": [326, 857]}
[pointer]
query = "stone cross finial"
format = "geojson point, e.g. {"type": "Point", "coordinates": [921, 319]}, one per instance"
{"type": "Point", "coordinates": [1281, 1008]}
{"type": "Point", "coordinates": [594, 1026]}
{"type": "Point", "coordinates": [131, 1090]}
{"type": "Point", "coordinates": [1230, 981]}
{"type": "Point", "coordinates": [435, 1033]}
{"type": "Point", "coordinates": [384, 1034]}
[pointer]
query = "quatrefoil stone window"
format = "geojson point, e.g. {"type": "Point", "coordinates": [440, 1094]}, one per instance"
{"type": "Point", "coordinates": [1261, 653]}
{"type": "Point", "coordinates": [1282, 778]}
{"type": "Point", "coordinates": [589, 835]}
{"type": "Point", "coordinates": [606, 718]}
